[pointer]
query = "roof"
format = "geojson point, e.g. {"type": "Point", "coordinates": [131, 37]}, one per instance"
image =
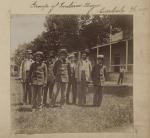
{"type": "Point", "coordinates": [114, 42]}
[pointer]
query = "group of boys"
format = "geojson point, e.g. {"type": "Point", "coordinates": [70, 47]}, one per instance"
{"type": "Point", "coordinates": [64, 74]}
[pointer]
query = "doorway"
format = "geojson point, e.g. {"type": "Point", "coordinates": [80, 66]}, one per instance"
{"type": "Point", "coordinates": [117, 62]}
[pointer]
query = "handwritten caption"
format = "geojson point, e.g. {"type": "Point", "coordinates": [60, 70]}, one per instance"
{"type": "Point", "coordinates": [88, 7]}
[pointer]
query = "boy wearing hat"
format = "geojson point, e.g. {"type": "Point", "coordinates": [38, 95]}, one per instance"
{"type": "Point", "coordinates": [61, 71]}
{"type": "Point", "coordinates": [83, 75]}
{"type": "Point", "coordinates": [24, 74]}
{"type": "Point", "coordinates": [72, 84]}
{"type": "Point", "coordinates": [50, 77]}
{"type": "Point", "coordinates": [98, 77]}
{"type": "Point", "coordinates": [38, 79]}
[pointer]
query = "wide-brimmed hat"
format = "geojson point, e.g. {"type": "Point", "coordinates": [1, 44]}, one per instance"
{"type": "Point", "coordinates": [84, 52]}
{"type": "Point", "coordinates": [39, 53]}
{"type": "Point", "coordinates": [63, 50]}
{"type": "Point", "coordinates": [71, 55]}
{"type": "Point", "coordinates": [29, 51]}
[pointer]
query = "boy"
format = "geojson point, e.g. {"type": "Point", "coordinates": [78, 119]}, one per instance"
{"type": "Point", "coordinates": [121, 75]}
{"type": "Point", "coordinates": [72, 80]}
{"type": "Point", "coordinates": [98, 77]}
{"type": "Point", "coordinates": [38, 79]}
{"type": "Point", "coordinates": [50, 78]}
{"type": "Point", "coordinates": [61, 71]}
{"type": "Point", "coordinates": [83, 75]}
{"type": "Point", "coordinates": [24, 74]}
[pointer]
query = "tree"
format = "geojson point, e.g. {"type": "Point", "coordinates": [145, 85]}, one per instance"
{"type": "Point", "coordinates": [94, 29]}
{"type": "Point", "coordinates": [63, 30]}
{"type": "Point", "coordinates": [76, 32]}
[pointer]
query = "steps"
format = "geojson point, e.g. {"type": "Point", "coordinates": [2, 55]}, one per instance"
{"type": "Point", "coordinates": [114, 89]}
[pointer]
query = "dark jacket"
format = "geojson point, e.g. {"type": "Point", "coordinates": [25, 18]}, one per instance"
{"type": "Point", "coordinates": [98, 74]}
{"type": "Point", "coordinates": [61, 71]}
{"type": "Point", "coordinates": [38, 74]}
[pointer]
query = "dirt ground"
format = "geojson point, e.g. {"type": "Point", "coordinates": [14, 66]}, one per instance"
{"type": "Point", "coordinates": [114, 115]}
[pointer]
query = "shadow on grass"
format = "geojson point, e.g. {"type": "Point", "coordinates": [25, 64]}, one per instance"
{"type": "Point", "coordinates": [15, 104]}
{"type": "Point", "coordinates": [24, 109]}
{"type": "Point", "coordinates": [87, 106]}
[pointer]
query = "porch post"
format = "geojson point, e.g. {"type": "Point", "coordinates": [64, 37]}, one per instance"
{"type": "Point", "coordinates": [110, 59]}
{"type": "Point", "coordinates": [97, 51]}
{"type": "Point", "coordinates": [126, 55]}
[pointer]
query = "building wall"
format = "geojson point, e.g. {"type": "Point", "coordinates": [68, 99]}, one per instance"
{"type": "Point", "coordinates": [120, 50]}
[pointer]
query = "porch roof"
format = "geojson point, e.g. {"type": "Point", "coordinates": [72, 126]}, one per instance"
{"type": "Point", "coordinates": [111, 43]}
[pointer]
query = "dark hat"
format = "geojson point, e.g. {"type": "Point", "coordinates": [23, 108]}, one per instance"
{"type": "Point", "coordinates": [51, 53]}
{"type": "Point", "coordinates": [100, 56]}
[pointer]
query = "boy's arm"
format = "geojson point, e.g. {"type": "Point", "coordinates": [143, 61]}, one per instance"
{"type": "Point", "coordinates": [45, 74]}
{"type": "Point", "coordinates": [90, 69]}
{"type": "Point", "coordinates": [92, 73]}
{"type": "Point", "coordinates": [105, 73]}
{"type": "Point", "coordinates": [55, 68]}
{"type": "Point", "coordinates": [20, 71]}
{"type": "Point", "coordinates": [69, 69]}
{"type": "Point", "coordinates": [30, 72]}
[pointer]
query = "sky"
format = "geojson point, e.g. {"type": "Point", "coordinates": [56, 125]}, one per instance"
{"type": "Point", "coordinates": [24, 28]}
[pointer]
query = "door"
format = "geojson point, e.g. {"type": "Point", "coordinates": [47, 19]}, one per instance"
{"type": "Point", "coordinates": [117, 63]}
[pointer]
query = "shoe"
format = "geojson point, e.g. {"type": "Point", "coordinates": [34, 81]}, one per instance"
{"type": "Point", "coordinates": [62, 106]}
{"type": "Point", "coordinates": [52, 106]}
{"type": "Point", "coordinates": [40, 109]}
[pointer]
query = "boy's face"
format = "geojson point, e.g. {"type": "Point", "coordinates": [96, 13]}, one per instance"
{"type": "Point", "coordinates": [83, 56]}
{"type": "Point", "coordinates": [29, 55]}
{"type": "Point", "coordinates": [50, 59]}
{"type": "Point", "coordinates": [72, 59]}
{"type": "Point", "coordinates": [100, 61]}
{"type": "Point", "coordinates": [38, 58]}
{"type": "Point", "coordinates": [63, 56]}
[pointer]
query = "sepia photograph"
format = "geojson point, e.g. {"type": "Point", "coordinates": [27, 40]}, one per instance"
{"type": "Point", "coordinates": [71, 73]}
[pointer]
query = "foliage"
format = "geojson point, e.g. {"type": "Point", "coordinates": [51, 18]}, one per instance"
{"type": "Point", "coordinates": [76, 32]}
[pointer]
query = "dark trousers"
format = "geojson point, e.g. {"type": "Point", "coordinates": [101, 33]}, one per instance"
{"type": "Point", "coordinates": [49, 87]}
{"type": "Point", "coordinates": [27, 93]}
{"type": "Point", "coordinates": [72, 84]}
{"type": "Point", "coordinates": [98, 95]}
{"type": "Point", "coordinates": [57, 87]}
{"type": "Point", "coordinates": [37, 95]}
{"type": "Point", "coordinates": [82, 88]}
{"type": "Point", "coordinates": [120, 79]}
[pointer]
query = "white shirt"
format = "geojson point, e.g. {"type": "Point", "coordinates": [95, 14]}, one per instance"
{"type": "Point", "coordinates": [27, 64]}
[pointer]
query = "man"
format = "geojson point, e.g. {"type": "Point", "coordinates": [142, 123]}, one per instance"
{"type": "Point", "coordinates": [98, 77]}
{"type": "Point", "coordinates": [72, 84]}
{"type": "Point", "coordinates": [83, 75]}
{"type": "Point", "coordinates": [38, 79]}
{"type": "Point", "coordinates": [61, 71]}
{"type": "Point", "coordinates": [24, 74]}
{"type": "Point", "coordinates": [50, 79]}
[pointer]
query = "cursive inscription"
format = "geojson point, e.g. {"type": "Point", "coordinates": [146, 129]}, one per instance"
{"type": "Point", "coordinates": [89, 7]}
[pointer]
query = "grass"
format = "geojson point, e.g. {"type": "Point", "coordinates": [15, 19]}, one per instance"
{"type": "Point", "coordinates": [115, 112]}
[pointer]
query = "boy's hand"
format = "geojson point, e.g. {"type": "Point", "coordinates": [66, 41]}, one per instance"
{"type": "Point", "coordinates": [21, 80]}
{"type": "Point", "coordinates": [44, 84]}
